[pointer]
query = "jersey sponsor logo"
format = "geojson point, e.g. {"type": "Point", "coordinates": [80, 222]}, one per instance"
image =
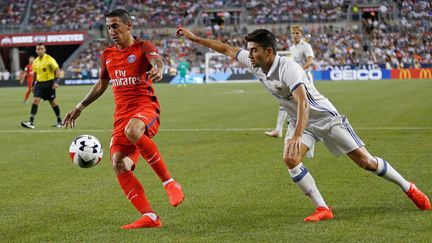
{"type": "Point", "coordinates": [115, 82]}
{"type": "Point", "coordinates": [286, 97]}
{"type": "Point", "coordinates": [153, 53]}
{"type": "Point", "coordinates": [131, 58]}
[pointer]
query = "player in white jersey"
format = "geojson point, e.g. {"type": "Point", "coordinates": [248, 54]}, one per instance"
{"type": "Point", "coordinates": [302, 53]}
{"type": "Point", "coordinates": [312, 117]}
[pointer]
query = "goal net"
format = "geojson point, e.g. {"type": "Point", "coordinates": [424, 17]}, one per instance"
{"type": "Point", "coordinates": [220, 68]}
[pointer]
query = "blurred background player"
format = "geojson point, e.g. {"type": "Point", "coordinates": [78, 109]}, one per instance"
{"type": "Point", "coordinates": [46, 74]}
{"type": "Point", "coordinates": [302, 53]}
{"type": "Point", "coordinates": [28, 76]}
{"type": "Point", "coordinates": [313, 118]}
{"type": "Point", "coordinates": [183, 68]}
{"type": "Point", "coordinates": [132, 65]}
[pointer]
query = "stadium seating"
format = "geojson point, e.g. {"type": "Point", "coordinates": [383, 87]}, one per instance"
{"type": "Point", "coordinates": [387, 40]}
{"type": "Point", "coordinates": [67, 15]}
{"type": "Point", "coordinates": [11, 11]}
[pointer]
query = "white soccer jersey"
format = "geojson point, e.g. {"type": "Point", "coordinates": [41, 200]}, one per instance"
{"type": "Point", "coordinates": [285, 76]}
{"type": "Point", "coordinates": [301, 52]}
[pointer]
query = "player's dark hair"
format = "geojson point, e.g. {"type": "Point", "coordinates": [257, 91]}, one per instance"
{"type": "Point", "coordinates": [263, 37]}
{"type": "Point", "coordinates": [40, 44]}
{"type": "Point", "coordinates": [121, 13]}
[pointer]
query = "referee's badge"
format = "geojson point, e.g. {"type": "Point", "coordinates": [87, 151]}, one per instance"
{"type": "Point", "coordinates": [131, 58]}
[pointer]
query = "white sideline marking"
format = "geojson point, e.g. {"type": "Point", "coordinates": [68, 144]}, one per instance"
{"type": "Point", "coordinates": [25, 130]}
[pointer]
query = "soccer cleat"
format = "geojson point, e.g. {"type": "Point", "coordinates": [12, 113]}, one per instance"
{"type": "Point", "coordinates": [418, 197]}
{"type": "Point", "coordinates": [144, 222]}
{"type": "Point", "coordinates": [27, 124]}
{"type": "Point", "coordinates": [58, 125]}
{"type": "Point", "coordinates": [175, 193]}
{"type": "Point", "coordinates": [321, 213]}
{"type": "Point", "coordinates": [273, 133]}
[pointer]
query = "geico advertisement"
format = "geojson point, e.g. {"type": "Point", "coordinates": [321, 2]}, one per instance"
{"type": "Point", "coordinates": [356, 74]}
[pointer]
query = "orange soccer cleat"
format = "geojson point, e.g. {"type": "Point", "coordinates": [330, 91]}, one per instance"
{"type": "Point", "coordinates": [144, 222]}
{"type": "Point", "coordinates": [418, 197]}
{"type": "Point", "coordinates": [175, 193]}
{"type": "Point", "coordinates": [321, 213]}
{"type": "Point", "coordinates": [274, 134]}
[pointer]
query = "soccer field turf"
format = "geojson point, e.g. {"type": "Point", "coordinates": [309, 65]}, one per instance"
{"type": "Point", "coordinates": [237, 187]}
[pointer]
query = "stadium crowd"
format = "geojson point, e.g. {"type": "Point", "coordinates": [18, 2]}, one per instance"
{"type": "Point", "coordinates": [68, 15]}
{"type": "Point", "coordinates": [384, 37]}
{"type": "Point", "coordinates": [332, 47]}
{"type": "Point", "coordinates": [11, 11]}
{"type": "Point", "coordinates": [275, 11]}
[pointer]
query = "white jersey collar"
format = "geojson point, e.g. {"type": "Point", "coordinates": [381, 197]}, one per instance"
{"type": "Point", "coordinates": [274, 65]}
{"type": "Point", "coordinates": [300, 42]}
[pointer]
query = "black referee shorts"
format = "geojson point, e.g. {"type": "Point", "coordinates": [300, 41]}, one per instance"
{"type": "Point", "coordinates": [44, 90]}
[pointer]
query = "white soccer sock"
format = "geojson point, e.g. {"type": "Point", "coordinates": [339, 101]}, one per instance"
{"type": "Point", "coordinates": [282, 115]}
{"type": "Point", "coordinates": [167, 181]}
{"type": "Point", "coordinates": [386, 171]}
{"type": "Point", "coordinates": [306, 183]}
{"type": "Point", "coordinates": [151, 215]}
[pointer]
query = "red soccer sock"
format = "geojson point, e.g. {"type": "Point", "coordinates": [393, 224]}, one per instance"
{"type": "Point", "coordinates": [27, 94]}
{"type": "Point", "coordinates": [150, 153]}
{"type": "Point", "coordinates": [134, 192]}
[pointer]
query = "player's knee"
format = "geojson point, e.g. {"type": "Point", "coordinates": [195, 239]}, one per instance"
{"type": "Point", "coordinates": [119, 164]}
{"type": "Point", "coordinates": [291, 161]}
{"type": "Point", "coordinates": [131, 133]}
{"type": "Point", "coordinates": [367, 163]}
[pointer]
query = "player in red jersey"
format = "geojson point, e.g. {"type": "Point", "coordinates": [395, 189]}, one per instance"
{"type": "Point", "coordinates": [28, 75]}
{"type": "Point", "coordinates": [132, 65]}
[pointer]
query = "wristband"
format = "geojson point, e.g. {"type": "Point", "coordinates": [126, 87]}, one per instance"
{"type": "Point", "coordinates": [56, 80]}
{"type": "Point", "coordinates": [80, 106]}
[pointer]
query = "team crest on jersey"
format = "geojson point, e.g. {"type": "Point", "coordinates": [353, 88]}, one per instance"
{"type": "Point", "coordinates": [131, 58]}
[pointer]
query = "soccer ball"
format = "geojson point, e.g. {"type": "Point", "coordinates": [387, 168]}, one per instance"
{"type": "Point", "coordinates": [86, 151]}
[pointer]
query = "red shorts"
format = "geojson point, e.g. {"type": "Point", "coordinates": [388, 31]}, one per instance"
{"type": "Point", "coordinates": [119, 141]}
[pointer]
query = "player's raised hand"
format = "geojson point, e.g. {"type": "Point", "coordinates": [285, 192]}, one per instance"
{"type": "Point", "coordinates": [71, 116]}
{"type": "Point", "coordinates": [182, 31]}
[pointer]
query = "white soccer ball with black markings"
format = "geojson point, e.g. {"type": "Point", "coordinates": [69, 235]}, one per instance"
{"type": "Point", "coordinates": [86, 151]}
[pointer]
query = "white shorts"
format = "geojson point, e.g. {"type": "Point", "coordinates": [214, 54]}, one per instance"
{"type": "Point", "coordinates": [335, 132]}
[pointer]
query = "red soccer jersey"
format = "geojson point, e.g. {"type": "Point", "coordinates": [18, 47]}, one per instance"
{"type": "Point", "coordinates": [29, 72]}
{"type": "Point", "coordinates": [126, 69]}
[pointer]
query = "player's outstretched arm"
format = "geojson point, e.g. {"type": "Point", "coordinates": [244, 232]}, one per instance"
{"type": "Point", "coordinates": [212, 44]}
{"type": "Point", "coordinates": [97, 90]}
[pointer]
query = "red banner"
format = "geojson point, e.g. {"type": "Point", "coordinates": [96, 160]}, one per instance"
{"type": "Point", "coordinates": [412, 73]}
{"type": "Point", "coordinates": [31, 39]}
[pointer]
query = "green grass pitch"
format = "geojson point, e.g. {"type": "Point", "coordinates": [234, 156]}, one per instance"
{"type": "Point", "coordinates": [237, 187]}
